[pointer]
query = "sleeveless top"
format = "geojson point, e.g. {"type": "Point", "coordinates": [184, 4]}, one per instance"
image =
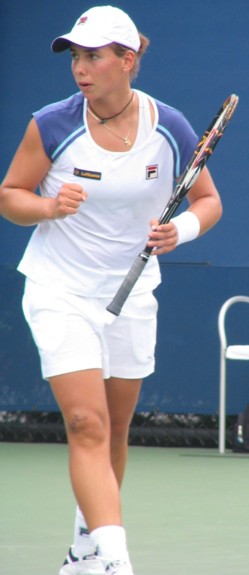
{"type": "Point", "coordinates": [89, 253]}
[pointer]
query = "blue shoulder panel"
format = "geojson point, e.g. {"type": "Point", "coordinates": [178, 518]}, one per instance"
{"type": "Point", "coordinates": [60, 124]}
{"type": "Point", "coordinates": [179, 133]}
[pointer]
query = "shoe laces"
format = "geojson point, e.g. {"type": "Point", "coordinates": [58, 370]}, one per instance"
{"type": "Point", "coordinates": [114, 567]}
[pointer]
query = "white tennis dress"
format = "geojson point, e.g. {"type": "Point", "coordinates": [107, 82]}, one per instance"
{"type": "Point", "coordinates": [90, 252]}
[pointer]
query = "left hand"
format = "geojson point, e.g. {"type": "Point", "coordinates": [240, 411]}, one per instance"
{"type": "Point", "coordinates": [163, 238]}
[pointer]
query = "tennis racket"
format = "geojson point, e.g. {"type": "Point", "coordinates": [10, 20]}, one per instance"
{"type": "Point", "coordinates": [202, 153]}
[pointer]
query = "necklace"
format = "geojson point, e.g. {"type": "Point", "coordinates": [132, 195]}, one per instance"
{"type": "Point", "coordinates": [125, 139]}
{"type": "Point", "coordinates": [104, 120]}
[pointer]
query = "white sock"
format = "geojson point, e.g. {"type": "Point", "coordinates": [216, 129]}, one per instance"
{"type": "Point", "coordinates": [82, 543]}
{"type": "Point", "coordinates": [110, 542]}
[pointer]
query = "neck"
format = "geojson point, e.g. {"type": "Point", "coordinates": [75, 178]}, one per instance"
{"type": "Point", "coordinates": [103, 120]}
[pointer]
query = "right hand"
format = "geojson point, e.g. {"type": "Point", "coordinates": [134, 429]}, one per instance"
{"type": "Point", "coordinates": [68, 201]}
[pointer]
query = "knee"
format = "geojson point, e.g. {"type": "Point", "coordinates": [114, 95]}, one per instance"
{"type": "Point", "coordinates": [87, 427]}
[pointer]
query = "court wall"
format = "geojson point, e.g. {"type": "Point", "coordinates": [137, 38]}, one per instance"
{"type": "Point", "coordinates": [198, 56]}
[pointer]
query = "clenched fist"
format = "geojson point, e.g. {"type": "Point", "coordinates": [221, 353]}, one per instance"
{"type": "Point", "coordinates": [67, 201]}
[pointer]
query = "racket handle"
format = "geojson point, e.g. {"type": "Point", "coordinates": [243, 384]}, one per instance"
{"type": "Point", "coordinates": [123, 292]}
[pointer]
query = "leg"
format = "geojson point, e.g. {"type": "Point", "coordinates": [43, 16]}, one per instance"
{"type": "Point", "coordinates": [81, 398]}
{"type": "Point", "coordinates": [77, 348]}
{"type": "Point", "coordinates": [131, 345]}
{"type": "Point", "coordinates": [122, 396]}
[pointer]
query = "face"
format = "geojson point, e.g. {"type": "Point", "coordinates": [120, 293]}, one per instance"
{"type": "Point", "coordinates": [98, 71]}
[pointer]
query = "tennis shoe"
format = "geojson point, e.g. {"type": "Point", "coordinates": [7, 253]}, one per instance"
{"type": "Point", "coordinates": [118, 568]}
{"type": "Point", "coordinates": [88, 565]}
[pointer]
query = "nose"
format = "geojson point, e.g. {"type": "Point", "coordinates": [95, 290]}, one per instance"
{"type": "Point", "coordinates": [79, 67]}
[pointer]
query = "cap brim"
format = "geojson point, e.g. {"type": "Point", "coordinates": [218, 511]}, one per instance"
{"type": "Point", "coordinates": [60, 44]}
{"type": "Point", "coordinates": [63, 42]}
{"type": "Point", "coordinates": [86, 40]}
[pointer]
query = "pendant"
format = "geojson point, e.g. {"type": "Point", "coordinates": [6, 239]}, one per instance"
{"type": "Point", "coordinates": [127, 142]}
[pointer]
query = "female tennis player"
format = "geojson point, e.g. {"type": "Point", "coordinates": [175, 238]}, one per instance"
{"type": "Point", "coordinates": [105, 160]}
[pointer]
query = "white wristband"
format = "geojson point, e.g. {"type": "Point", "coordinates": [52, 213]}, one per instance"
{"type": "Point", "coordinates": [188, 227]}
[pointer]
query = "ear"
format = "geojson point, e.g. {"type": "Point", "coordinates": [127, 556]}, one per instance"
{"type": "Point", "coordinates": [129, 60]}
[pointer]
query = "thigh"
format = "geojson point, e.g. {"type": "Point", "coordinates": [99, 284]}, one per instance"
{"type": "Point", "coordinates": [122, 396]}
{"type": "Point", "coordinates": [81, 394]}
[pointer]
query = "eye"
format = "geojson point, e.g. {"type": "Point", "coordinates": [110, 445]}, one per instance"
{"type": "Point", "coordinates": [93, 55]}
{"type": "Point", "coordinates": [74, 55]}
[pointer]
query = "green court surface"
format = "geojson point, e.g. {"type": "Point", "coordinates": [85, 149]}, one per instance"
{"type": "Point", "coordinates": [185, 510]}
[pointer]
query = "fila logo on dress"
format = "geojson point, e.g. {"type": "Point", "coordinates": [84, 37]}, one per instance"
{"type": "Point", "coordinates": [152, 172]}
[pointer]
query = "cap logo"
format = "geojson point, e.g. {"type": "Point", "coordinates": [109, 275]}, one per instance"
{"type": "Point", "coordinates": [82, 20]}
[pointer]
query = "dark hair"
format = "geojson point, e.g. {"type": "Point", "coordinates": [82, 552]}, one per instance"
{"type": "Point", "coordinates": [120, 50]}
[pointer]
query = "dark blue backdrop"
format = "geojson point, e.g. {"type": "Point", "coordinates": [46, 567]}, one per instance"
{"type": "Point", "coordinates": [198, 55]}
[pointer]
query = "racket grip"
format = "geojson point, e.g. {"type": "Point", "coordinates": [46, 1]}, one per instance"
{"type": "Point", "coordinates": [123, 292]}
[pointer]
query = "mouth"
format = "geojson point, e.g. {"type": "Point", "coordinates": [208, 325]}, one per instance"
{"type": "Point", "coordinates": [84, 86]}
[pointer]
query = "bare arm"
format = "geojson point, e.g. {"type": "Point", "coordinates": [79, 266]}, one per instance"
{"type": "Point", "coordinates": [204, 202]}
{"type": "Point", "coordinates": [18, 201]}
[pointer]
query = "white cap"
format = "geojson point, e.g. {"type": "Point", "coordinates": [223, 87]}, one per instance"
{"type": "Point", "coordinates": [100, 26]}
